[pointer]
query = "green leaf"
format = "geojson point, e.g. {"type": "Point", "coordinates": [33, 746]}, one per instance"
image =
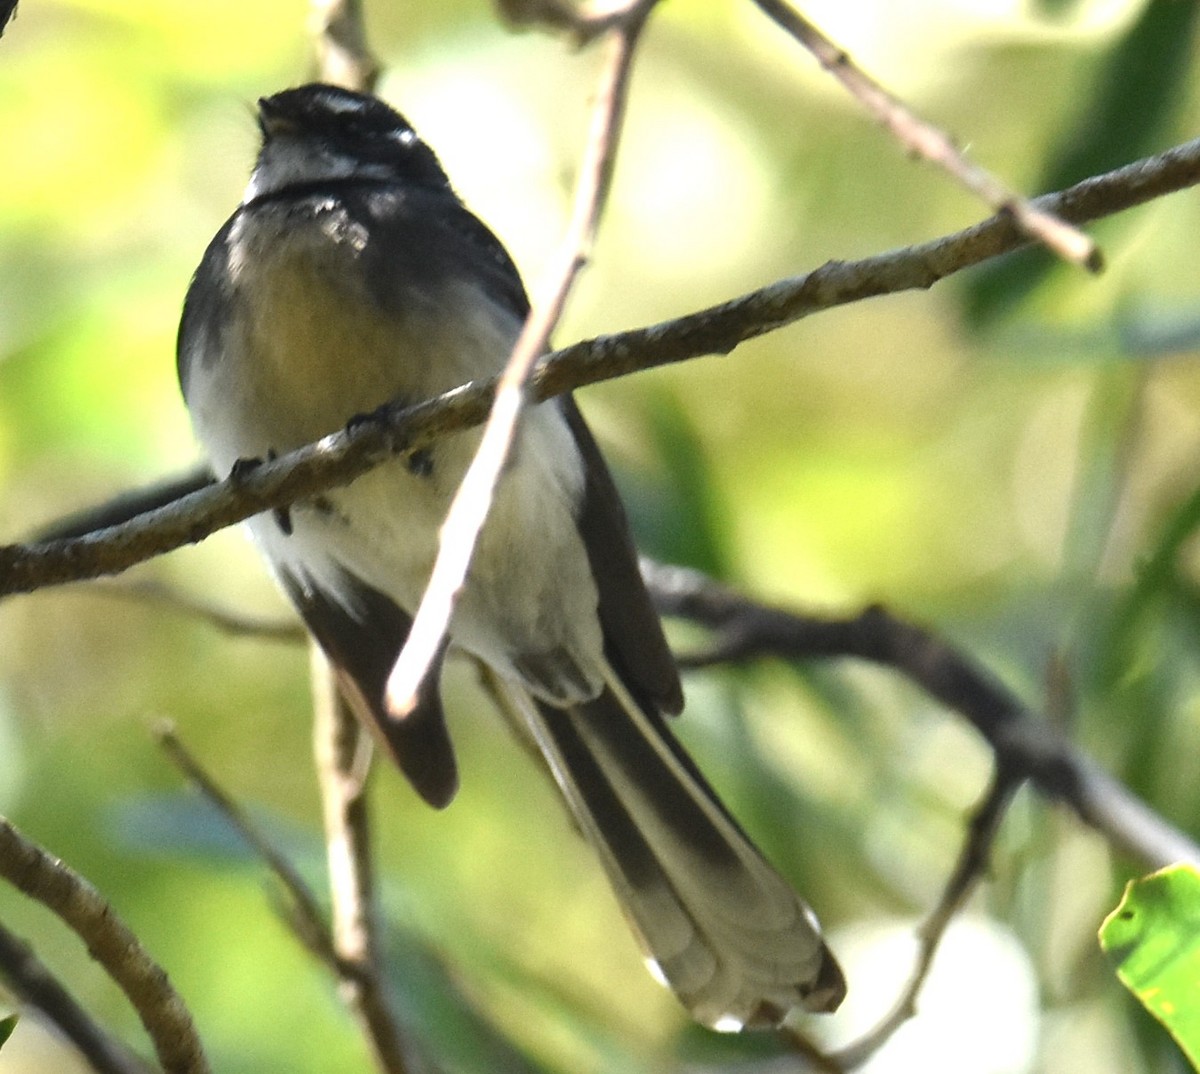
{"type": "Point", "coordinates": [1153, 939]}
{"type": "Point", "coordinates": [7, 1025]}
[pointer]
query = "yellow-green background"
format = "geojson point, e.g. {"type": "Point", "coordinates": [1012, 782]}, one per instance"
{"type": "Point", "coordinates": [994, 463]}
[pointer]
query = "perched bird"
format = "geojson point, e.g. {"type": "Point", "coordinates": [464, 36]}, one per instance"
{"type": "Point", "coordinates": [351, 275]}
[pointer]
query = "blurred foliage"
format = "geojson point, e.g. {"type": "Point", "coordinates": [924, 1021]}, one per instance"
{"type": "Point", "coordinates": [1138, 90]}
{"type": "Point", "coordinates": [1026, 481]}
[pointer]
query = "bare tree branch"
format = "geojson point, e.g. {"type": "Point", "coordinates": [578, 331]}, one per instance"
{"type": "Point", "coordinates": [1024, 746]}
{"type": "Point", "coordinates": [343, 753]}
{"type": "Point", "coordinates": [303, 913]}
{"type": "Point", "coordinates": [350, 948]}
{"type": "Point", "coordinates": [343, 56]}
{"type": "Point", "coordinates": [982, 830]}
{"type": "Point", "coordinates": [340, 457]}
{"type": "Point", "coordinates": [29, 979]}
{"type": "Point", "coordinates": [584, 22]}
{"type": "Point", "coordinates": [473, 500]}
{"type": "Point", "coordinates": [150, 591]}
{"type": "Point", "coordinates": [927, 141]}
{"type": "Point", "coordinates": [341, 749]}
{"type": "Point", "coordinates": [110, 942]}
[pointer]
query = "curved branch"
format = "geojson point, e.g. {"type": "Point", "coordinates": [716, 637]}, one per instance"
{"type": "Point", "coordinates": [340, 39]}
{"type": "Point", "coordinates": [110, 942]}
{"type": "Point", "coordinates": [922, 139]}
{"type": "Point", "coordinates": [1025, 747]}
{"type": "Point", "coordinates": [974, 855]}
{"type": "Point", "coordinates": [343, 456]}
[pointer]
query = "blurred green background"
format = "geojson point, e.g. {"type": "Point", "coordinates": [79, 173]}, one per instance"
{"type": "Point", "coordinates": [1011, 458]}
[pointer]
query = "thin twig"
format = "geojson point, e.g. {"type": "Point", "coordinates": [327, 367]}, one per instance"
{"type": "Point", "coordinates": [303, 913]}
{"type": "Point", "coordinates": [969, 870]}
{"type": "Point", "coordinates": [126, 505]}
{"type": "Point", "coordinates": [584, 22]}
{"type": "Point", "coordinates": [110, 942]}
{"type": "Point", "coordinates": [1023, 744]}
{"type": "Point", "coordinates": [473, 500]}
{"type": "Point", "coordinates": [32, 983]}
{"type": "Point", "coordinates": [925, 140]}
{"type": "Point", "coordinates": [339, 458]}
{"type": "Point", "coordinates": [339, 34]}
{"type": "Point", "coordinates": [342, 751]}
{"type": "Point", "coordinates": [341, 748]}
{"type": "Point", "coordinates": [349, 948]}
{"type": "Point", "coordinates": [235, 624]}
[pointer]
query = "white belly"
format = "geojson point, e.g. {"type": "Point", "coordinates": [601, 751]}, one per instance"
{"type": "Point", "coordinates": [293, 369]}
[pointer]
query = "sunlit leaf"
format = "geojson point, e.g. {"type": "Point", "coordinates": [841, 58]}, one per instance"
{"type": "Point", "coordinates": [1153, 938]}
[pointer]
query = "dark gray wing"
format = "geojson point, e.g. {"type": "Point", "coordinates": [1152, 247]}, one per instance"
{"type": "Point", "coordinates": [423, 238]}
{"type": "Point", "coordinates": [362, 648]}
{"type": "Point", "coordinates": [205, 309]}
{"type": "Point", "coordinates": [632, 631]}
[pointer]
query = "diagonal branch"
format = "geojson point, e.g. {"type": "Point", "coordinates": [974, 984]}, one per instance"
{"type": "Point", "coordinates": [473, 500]}
{"type": "Point", "coordinates": [1024, 746]}
{"type": "Point", "coordinates": [348, 948]}
{"type": "Point", "coordinates": [339, 458]}
{"type": "Point", "coordinates": [982, 829]}
{"type": "Point", "coordinates": [303, 914]}
{"type": "Point", "coordinates": [927, 141]}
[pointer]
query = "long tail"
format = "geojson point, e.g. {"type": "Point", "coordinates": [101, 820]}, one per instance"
{"type": "Point", "coordinates": [727, 933]}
